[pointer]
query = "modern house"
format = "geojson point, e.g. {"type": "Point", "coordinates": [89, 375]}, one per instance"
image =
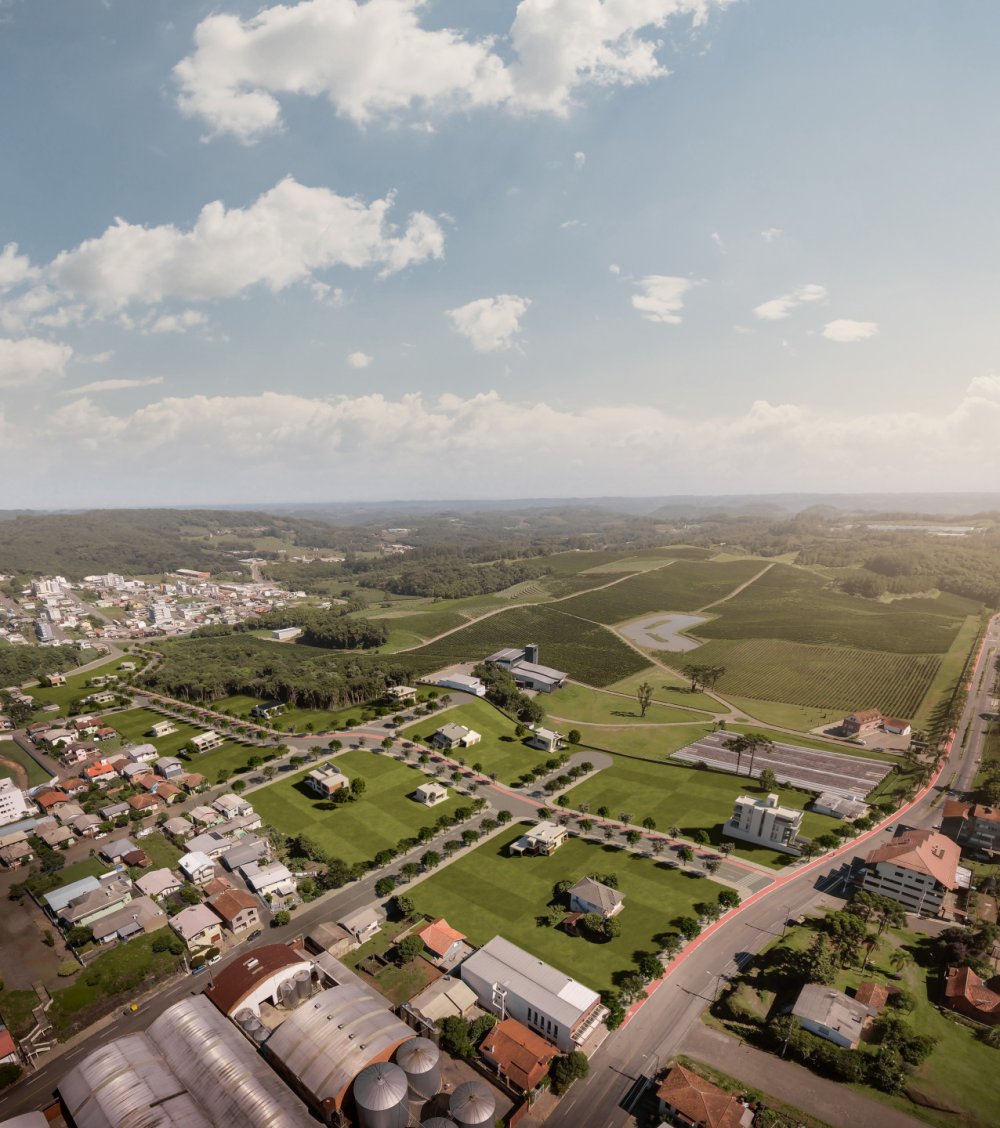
{"type": "Point", "coordinates": [203, 816]}
{"type": "Point", "coordinates": [691, 1101]}
{"type": "Point", "coordinates": [247, 850]}
{"type": "Point", "coordinates": [917, 869]}
{"type": "Point", "coordinates": [162, 729]}
{"type": "Point", "coordinates": [326, 779]}
{"type": "Point", "coordinates": [197, 926]}
{"type": "Point", "coordinates": [546, 740]}
{"type": "Point", "coordinates": [13, 803]}
{"type": "Point", "coordinates": [528, 674]}
{"type": "Point", "coordinates": [765, 823]}
{"type": "Point", "coordinates": [270, 880]}
{"type": "Point", "coordinates": [463, 683]}
{"type": "Point", "coordinates": [231, 806]}
{"type": "Point", "coordinates": [861, 722]}
{"type": "Point", "coordinates": [969, 994]}
{"type": "Point", "coordinates": [974, 826]}
{"type": "Point", "coordinates": [198, 868]}
{"type": "Point", "coordinates": [518, 1055]}
{"type": "Point", "coordinates": [592, 896]}
{"type": "Point", "coordinates": [430, 794]}
{"type": "Point", "coordinates": [543, 838]}
{"type": "Point", "coordinates": [268, 709]}
{"type": "Point", "coordinates": [402, 694]}
{"type": "Point", "coordinates": [206, 741]}
{"type": "Point", "coordinates": [511, 983]}
{"type": "Point", "coordinates": [844, 807]}
{"type": "Point", "coordinates": [832, 1015]}
{"type": "Point", "coordinates": [451, 736]}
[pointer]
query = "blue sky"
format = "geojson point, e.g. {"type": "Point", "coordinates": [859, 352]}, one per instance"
{"type": "Point", "coordinates": [556, 247]}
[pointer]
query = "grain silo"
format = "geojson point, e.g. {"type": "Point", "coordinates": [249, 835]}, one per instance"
{"type": "Point", "coordinates": [303, 984]}
{"type": "Point", "coordinates": [472, 1105]}
{"type": "Point", "coordinates": [420, 1060]}
{"type": "Point", "coordinates": [380, 1093]}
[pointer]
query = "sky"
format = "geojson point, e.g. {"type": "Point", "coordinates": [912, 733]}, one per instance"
{"type": "Point", "coordinates": [336, 250]}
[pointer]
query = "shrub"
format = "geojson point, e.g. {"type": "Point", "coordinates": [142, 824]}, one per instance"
{"type": "Point", "coordinates": [67, 968]}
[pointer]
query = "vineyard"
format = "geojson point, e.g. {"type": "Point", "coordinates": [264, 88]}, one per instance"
{"type": "Point", "coordinates": [683, 586]}
{"type": "Point", "coordinates": [585, 650]}
{"type": "Point", "coordinates": [798, 606]}
{"type": "Point", "coordinates": [824, 677]}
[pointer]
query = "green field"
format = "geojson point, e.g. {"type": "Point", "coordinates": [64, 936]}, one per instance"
{"type": "Point", "coordinates": [499, 751]}
{"type": "Point", "coordinates": [582, 704]}
{"type": "Point", "coordinates": [670, 688]}
{"type": "Point", "coordinates": [686, 797]}
{"type": "Point", "coordinates": [797, 605]}
{"type": "Point", "coordinates": [588, 652]}
{"type": "Point", "coordinates": [134, 725]}
{"type": "Point", "coordinates": [291, 720]}
{"type": "Point", "coordinates": [785, 716]}
{"type": "Point", "coordinates": [823, 677]}
{"type": "Point", "coordinates": [76, 684]}
{"type": "Point", "coordinates": [683, 586]}
{"type": "Point", "coordinates": [355, 832]}
{"type": "Point", "coordinates": [10, 751]}
{"type": "Point", "coordinates": [657, 744]}
{"type": "Point", "coordinates": [486, 894]}
{"type": "Point", "coordinates": [949, 671]}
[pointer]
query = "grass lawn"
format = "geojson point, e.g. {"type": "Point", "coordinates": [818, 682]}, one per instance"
{"type": "Point", "coordinates": [87, 867]}
{"type": "Point", "coordinates": [675, 692]}
{"type": "Point", "coordinates": [76, 685]}
{"type": "Point", "coordinates": [10, 751]}
{"type": "Point", "coordinates": [15, 1011]}
{"type": "Point", "coordinates": [161, 852]}
{"type": "Point", "coordinates": [499, 751]}
{"type": "Point", "coordinates": [134, 725]}
{"type": "Point", "coordinates": [487, 893]}
{"type": "Point", "coordinates": [688, 798]}
{"type": "Point", "coordinates": [356, 831]}
{"type": "Point", "coordinates": [291, 720]}
{"type": "Point", "coordinates": [401, 983]}
{"type": "Point", "coordinates": [787, 716]}
{"type": "Point", "coordinates": [949, 671]}
{"type": "Point", "coordinates": [594, 706]}
{"type": "Point", "coordinates": [646, 743]}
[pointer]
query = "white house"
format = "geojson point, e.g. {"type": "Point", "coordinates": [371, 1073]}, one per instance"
{"type": "Point", "coordinates": [363, 924]}
{"type": "Point", "coordinates": [430, 794]}
{"type": "Point", "coordinates": [543, 838]}
{"type": "Point", "coordinates": [326, 779]}
{"type": "Point", "coordinates": [832, 1015]}
{"type": "Point", "coordinates": [142, 753]}
{"type": "Point", "coordinates": [403, 694]}
{"type": "Point", "coordinates": [451, 736]}
{"type": "Point", "coordinates": [765, 823]}
{"type": "Point", "coordinates": [198, 868]}
{"type": "Point", "coordinates": [162, 728]}
{"type": "Point", "coordinates": [272, 879]}
{"type": "Point", "coordinates": [206, 741]}
{"type": "Point", "coordinates": [231, 806]}
{"type": "Point", "coordinates": [592, 896]}
{"type": "Point", "coordinates": [546, 740]}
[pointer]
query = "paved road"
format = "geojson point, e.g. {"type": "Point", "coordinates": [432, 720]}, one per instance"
{"type": "Point", "coordinates": [664, 1024]}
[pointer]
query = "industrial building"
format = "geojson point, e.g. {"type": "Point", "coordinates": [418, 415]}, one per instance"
{"type": "Point", "coordinates": [257, 978]}
{"type": "Point", "coordinates": [190, 1068]}
{"type": "Point", "coordinates": [527, 673]}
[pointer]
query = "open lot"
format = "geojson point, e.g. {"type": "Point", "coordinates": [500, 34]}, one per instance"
{"type": "Point", "coordinates": [685, 797]}
{"type": "Point", "coordinates": [486, 893]}
{"type": "Point", "coordinates": [657, 744]}
{"type": "Point", "coordinates": [354, 832]}
{"type": "Point", "coordinates": [594, 706]}
{"type": "Point", "coordinates": [76, 684]}
{"type": "Point", "coordinates": [802, 767]}
{"type": "Point", "coordinates": [134, 725]}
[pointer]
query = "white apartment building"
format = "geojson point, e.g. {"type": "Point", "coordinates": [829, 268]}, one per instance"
{"type": "Point", "coordinates": [13, 805]}
{"type": "Point", "coordinates": [916, 869]}
{"type": "Point", "coordinates": [765, 823]}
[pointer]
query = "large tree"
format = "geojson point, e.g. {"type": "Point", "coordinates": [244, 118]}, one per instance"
{"type": "Point", "coordinates": [644, 695]}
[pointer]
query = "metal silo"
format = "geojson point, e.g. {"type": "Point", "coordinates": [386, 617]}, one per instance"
{"type": "Point", "coordinates": [438, 1122]}
{"type": "Point", "coordinates": [260, 1033]}
{"type": "Point", "coordinates": [380, 1096]}
{"type": "Point", "coordinates": [303, 984]}
{"type": "Point", "coordinates": [287, 995]}
{"type": "Point", "coordinates": [471, 1105]}
{"type": "Point", "coordinates": [420, 1060]}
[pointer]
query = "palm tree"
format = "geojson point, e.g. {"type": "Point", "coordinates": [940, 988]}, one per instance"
{"type": "Point", "coordinates": [870, 943]}
{"type": "Point", "coordinates": [899, 959]}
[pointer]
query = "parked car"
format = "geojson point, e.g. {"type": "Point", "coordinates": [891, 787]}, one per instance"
{"type": "Point", "coordinates": [255, 935]}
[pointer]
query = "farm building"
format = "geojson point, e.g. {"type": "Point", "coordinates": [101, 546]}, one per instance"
{"type": "Point", "coordinates": [896, 727]}
{"type": "Point", "coordinates": [861, 722]}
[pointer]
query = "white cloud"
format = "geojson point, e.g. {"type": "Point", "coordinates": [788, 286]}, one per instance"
{"type": "Point", "coordinates": [359, 359]}
{"type": "Point", "coordinates": [717, 240]}
{"type": "Point", "coordinates": [490, 324]}
{"type": "Point", "coordinates": [286, 236]}
{"type": "Point", "coordinates": [372, 443]}
{"type": "Point", "coordinates": [579, 160]}
{"type": "Point", "coordinates": [662, 297]}
{"type": "Point", "coordinates": [113, 385]}
{"type": "Point", "coordinates": [777, 309]}
{"type": "Point", "coordinates": [29, 359]}
{"type": "Point", "coordinates": [846, 331]}
{"type": "Point", "coordinates": [14, 268]}
{"type": "Point", "coordinates": [769, 234]}
{"type": "Point", "coordinates": [175, 322]}
{"type": "Point", "coordinates": [615, 268]}
{"type": "Point", "coordinates": [377, 60]}
{"type": "Point", "coordinates": [568, 223]}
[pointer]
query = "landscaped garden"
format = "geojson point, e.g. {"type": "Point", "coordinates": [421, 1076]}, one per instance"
{"type": "Point", "coordinates": [358, 830]}
{"type": "Point", "coordinates": [487, 893]}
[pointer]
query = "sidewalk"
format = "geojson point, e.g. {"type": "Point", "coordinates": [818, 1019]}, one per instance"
{"type": "Point", "coordinates": [831, 1101]}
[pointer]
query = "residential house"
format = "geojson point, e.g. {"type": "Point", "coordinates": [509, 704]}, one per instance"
{"type": "Point", "coordinates": [191, 782]}
{"type": "Point", "coordinates": [55, 836]}
{"type": "Point", "coordinates": [543, 839]}
{"type": "Point", "coordinates": [111, 811]}
{"type": "Point", "coordinates": [273, 880]}
{"type": "Point", "coordinates": [873, 995]}
{"type": "Point", "coordinates": [76, 753]}
{"type": "Point", "coordinates": [8, 1051]}
{"type": "Point", "coordinates": [444, 998]}
{"type": "Point", "coordinates": [16, 854]}
{"type": "Point", "coordinates": [326, 779]}
{"type": "Point", "coordinates": [832, 1015]}
{"type": "Point", "coordinates": [430, 794]}
{"type": "Point", "coordinates": [231, 806]}
{"type": "Point", "coordinates": [168, 792]}
{"type": "Point", "coordinates": [180, 828]}
{"type": "Point", "coordinates": [142, 753]}
{"type": "Point", "coordinates": [546, 740]}
{"type": "Point", "coordinates": [237, 910]}
{"type": "Point", "coordinates": [162, 729]}
{"type": "Point", "coordinates": [591, 896]}
{"type": "Point", "coordinates": [689, 1100]}
{"type": "Point", "coordinates": [109, 892]}
{"type": "Point", "coordinates": [105, 732]}
{"type": "Point", "coordinates": [116, 849]}
{"type": "Point", "coordinates": [147, 804]}
{"type": "Point", "coordinates": [442, 941]}
{"type": "Point", "coordinates": [513, 983]}
{"type": "Point", "coordinates": [975, 997]}
{"type": "Point", "coordinates": [896, 727]}
{"type": "Point", "coordinates": [198, 927]}
{"type": "Point", "coordinates": [917, 869]}
{"type": "Point", "coordinates": [203, 816]}
{"type": "Point", "coordinates": [14, 804]}
{"type": "Point", "coordinates": [765, 823]}
{"type": "Point", "coordinates": [74, 786]}
{"type": "Point", "coordinates": [211, 843]}
{"type": "Point", "coordinates": [133, 773]}
{"type": "Point", "coordinates": [102, 773]}
{"type": "Point", "coordinates": [451, 736]}
{"type": "Point", "coordinates": [197, 868]}
{"type": "Point", "coordinates": [363, 924]}
{"type": "Point", "coordinates": [85, 825]}
{"type": "Point", "coordinates": [103, 697]}
{"type": "Point", "coordinates": [402, 694]}
{"type": "Point", "coordinates": [169, 767]}
{"type": "Point", "coordinates": [974, 826]}
{"type": "Point", "coordinates": [862, 722]}
{"type": "Point", "coordinates": [518, 1055]}
{"type": "Point", "coordinates": [159, 883]}
{"type": "Point", "coordinates": [140, 915]}
{"type": "Point", "coordinates": [50, 798]}
{"type": "Point", "coordinates": [206, 741]}
{"type": "Point", "coordinates": [66, 812]}
{"type": "Point", "coordinates": [247, 850]}
{"type": "Point", "coordinates": [243, 824]}
{"type": "Point", "coordinates": [528, 674]}
{"type": "Point", "coordinates": [268, 709]}
{"type": "Point", "coordinates": [844, 807]}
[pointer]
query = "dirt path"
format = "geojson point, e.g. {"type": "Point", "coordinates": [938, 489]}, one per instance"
{"type": "Point", "coordinates": [736, 591]}
{"type": "Point", "coordinates": [20, 774]}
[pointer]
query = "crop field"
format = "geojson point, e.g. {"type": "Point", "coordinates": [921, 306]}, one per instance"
{"type": "Point", "coordinates": [824, 677]}
{"type": "Point", "coordinates": [798, 606]}
{"type": "Point", "coordinates": [424, 624]}
{"type": "Point", "coordinates": [356, 831]}
{"type": "Point", "coordinates": [487, 893]}
{"type": "Point", "coordinates": [588, 652]}
{"type": "Point", "coordinates": [683, 586]}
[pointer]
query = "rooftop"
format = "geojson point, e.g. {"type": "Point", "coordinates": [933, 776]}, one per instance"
{"type": "Point", "coordinates": [833, 1009]}
{"type": "Point", "coordinates": [923, 851]}
{"type": "Point", "coordinates": [439, 936]}
{"type": "Point", "coordinates": [520, 1053]}
{"type": "Point", "coordinates": [700, 1101]}
{"type": "Point", "coordinates": [239, 978]}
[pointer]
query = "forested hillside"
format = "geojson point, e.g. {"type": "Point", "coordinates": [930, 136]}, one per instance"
{"type": "Point", "coordinates": [19, 664]}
